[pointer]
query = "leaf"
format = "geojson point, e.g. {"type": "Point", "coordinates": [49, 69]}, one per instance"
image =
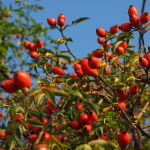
{"type": "Point", "coordinates": [34, 122]}
{"type": "Point", "coordinates": [83, 147]}
{"type": "Point", "coordinates": [116, 45]}
{"type": "Point", "coordinates": [105, 144]}
{"type": "Point", "coordinates": [76, 94]}
{"type": "Point", "coordinates": [18, 134]}
{"type": "Point", "coordinates": [65, 56]}
{"type": "Point", "coordinates": [80, 20]}
{"type": "Point", "coordinates": [39, 97]}
{"type": "Point", "coordinates": [61, 40]}
{"type": "Point", "coordinates": [57, 92]}
{"type": "Point", "coordinates": [19, 110]}
{"type": "Point", "coordinates": [41, 81]}
{"type": "Point", "coordinates": [93, 106]}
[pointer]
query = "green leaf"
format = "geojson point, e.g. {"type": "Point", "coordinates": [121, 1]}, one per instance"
{"type": "Point", "coordinates": [35, 122]}
{"type": "Point", "coordinates": [42, 81]}
{"type": "Point", "coordinates": [18, 134]}
{"type": "Point", "coordinates": [84, 147]}
{"type": "Point", "coordinates": [105, 144]}
{"type": "Point", "coordinates": [39, 97]}
{"type": "Point", "coordinates": [76, 94]}
{"type": "Point", "coordinates": [80, 20]}
{"type": "Point", "coordinates": [116, 45]}
{"type": "Point", "coordinates": [93, 106]}
{"type": "Point", "coordinates": [19, 110]}
{"type": "Point", "coordinates": [65, 56]}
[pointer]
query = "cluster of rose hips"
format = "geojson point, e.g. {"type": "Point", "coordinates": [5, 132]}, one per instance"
{"type": "Point", "coordinates": [125, 27]}
{"type": "Point", "coordinates": [60, 21]}
{"type": "Point", "coordinates": [21, 79]}
{"type": "Point", "coordinates": [84, 122]}
{"type": "Point", "coordinates": [33, 47]}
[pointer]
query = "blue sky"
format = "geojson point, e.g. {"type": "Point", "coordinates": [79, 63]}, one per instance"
{"type": "Point", "coordinates": [102, 13]}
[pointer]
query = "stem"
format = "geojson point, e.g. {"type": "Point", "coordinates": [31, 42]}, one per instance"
{"type": "Point", "coordinates": [48, 123]}
{"type": "Point", "coordinates": [61, 31]}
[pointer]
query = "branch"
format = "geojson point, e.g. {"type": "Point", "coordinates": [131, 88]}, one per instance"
{"type": "Point", "coordinates": [143, 132]}
{"type": "Point", "coordinates": [39, 136]}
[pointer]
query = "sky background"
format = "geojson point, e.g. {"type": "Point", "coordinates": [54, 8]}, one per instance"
{"type": "Point", "coordinates": [102, 13]}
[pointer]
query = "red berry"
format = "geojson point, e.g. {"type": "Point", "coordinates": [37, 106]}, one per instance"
{"type": "Point", "coordinates": [61, 16]}
{"type": "Point", "coordinates": [45, 120]}
{"type": "Point", "coordinates": [107, 72]}
{"type": "Point", "coordinates": [46, 136]}
{"type": "Point", "coordinates": [124, 45]}
{"type": "Point", "coordinates": [94, 62]}
{"type": "Point", "coordinates": [40, 147]}
{"type": "Point", "coordinates": [134, 20]}
{"type": "Point", "coordinates": [79, 106]}
{"type": "Point", "coordinates": [147, 56]}
{"type": "Point", "coordinates": [50, 108]}
{"type": "Point", "coordinates": [114, 29]}
{"type": "Point", "coordinates": [143, 61]}
{"type": "Point", "coordinates": [122, 104]}
{"type": "Point", "coordinates": [123, 139]}
{"type": "Point", "coordinates": [1, 114]}
{"type": "Point", "coordinates": [51, 21]}
{"type": "Point", "coordinates": [36, 129]}
{"type": "Point", "coordinates": [61, 22]}
{"type": "Point", "coordinates": [92, 116]}
{"type": "Point", "coordinates": [98, 53]}
{"type": "Point", "coordinates": [17, 35]}
{"type": "Point", "coordinates": [86, 129]}
{"type": "Point", "coordinates": [133, 89]}
{"type": "Point", "coordinates": [22, 79]}
{"type": "Point", "coordinates": [121, 94]}
{"type": "Point", "coordinates": [57, 127]}
{"type": "Point", "coordinates": [32, 138]}
{"type": "Point", "coordinates": [75, 125]}
{"type": "Point", "coordinates": [120, 50]}
{"type": "Point", "coordinates": [126, 27]}
{"type": "Point", "coordinates": [87, 69]}
{"type": "Point", "coordinates": [9, 86]}
{"type": "Point", "coordinates": [144, 18]}
{"type": "Point", "coordinates": [105, 137]}
{"type": "Point", "coordinates": [108, 45]}
{"type": "Point", "coordinates": [26, 44]}
{"type": "Point", "coordinates": [34, 54]}
{"type": "Point", "coordinates": [58, 71]}
{"type": "Point", "coordinates": [100, 40]}
{"type": "Point", "coordinates": [83, 119]}
{"type": "Point", "coordinates": [32, 47]}
{"type": "Point", "coordinates": [39, 44]}
{"type": "Point", "coordinates": [19, 117]}
{"type": "Point", "coordinates": [2, 134]}
{"type": "Point", "coordinates": [74, 76]}
{"type": "Point", "coordinates": [100, 32]}
{"type": "Point", "coordinates": [132, 11]}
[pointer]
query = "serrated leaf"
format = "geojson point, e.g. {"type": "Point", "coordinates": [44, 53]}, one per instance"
{"type": "Point", "coordinates": [80, 20]}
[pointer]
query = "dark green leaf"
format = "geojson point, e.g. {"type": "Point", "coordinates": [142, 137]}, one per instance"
{"type": "Point", "coordinates": [80, 20]}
